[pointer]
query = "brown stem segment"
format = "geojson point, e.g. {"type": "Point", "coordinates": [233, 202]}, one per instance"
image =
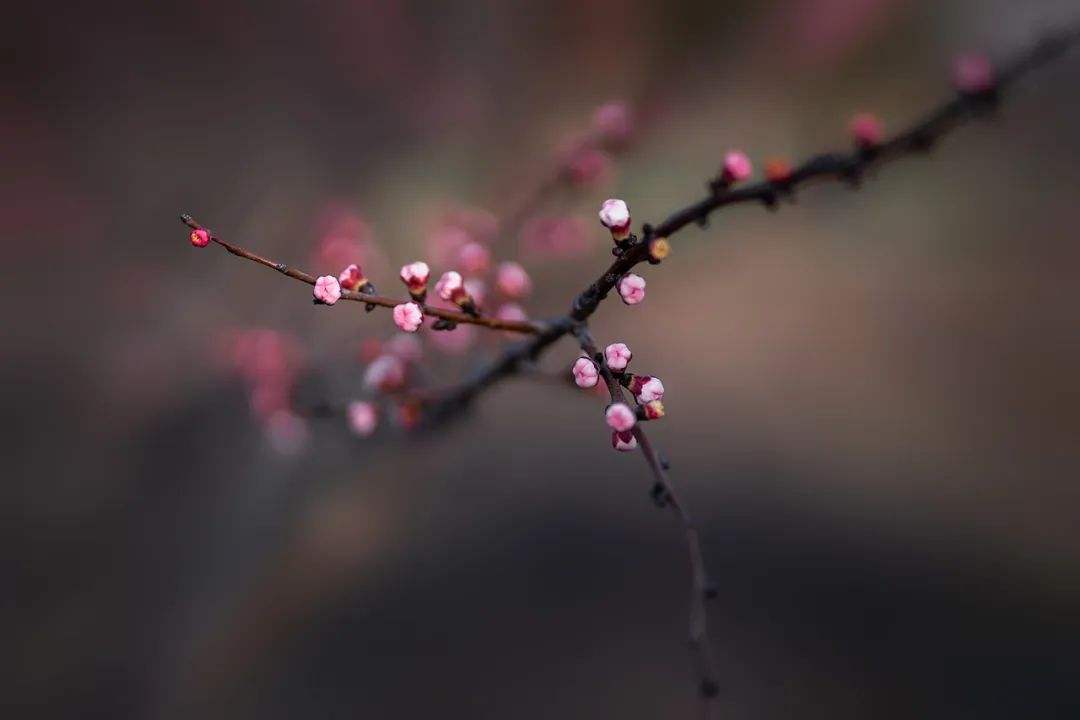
{"type": "Point", "coordinates": [520, 326]}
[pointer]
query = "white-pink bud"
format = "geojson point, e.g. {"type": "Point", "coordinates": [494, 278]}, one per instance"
{"type": "Point", "coordinates": [617, 356]}
{"type": "Point", "coordinates": [512, 280]}
{"type": "Point", "coordinates": [647, 388]}
{"type": "Point", "coordinates": [415, 276]}
{"type": "Point", "coordinates": [386, 373]}
{"type": "Point", "coordinates": [474, 258]}
{"type": "Point", "coordinates": [632, 288]}
{"type": "Point", "coordinates": [351, 278]}
{"type": "Point", "coordinates": [585, 372]}
{"type": "Point", "coordinates": [737, 167]}
{"type": "Point", "coordinates": [867, 130]}
{"type": "Point", "coordinates": [623, 441]}
{"type": "Point", "coordinates": [363, 418]}
{"type": "Point", "coordinates": [615, 216]}
{"type": "Point", "coordinates": [327, 290]}
{"type": "Point", "coordinates": [620, 417]}
{"type": "Point", "coordinates": [973, 74]}
{"type": "Point", "coordinates": [408, 316]}
{"type": "Point", "coordinates": [449, 285]}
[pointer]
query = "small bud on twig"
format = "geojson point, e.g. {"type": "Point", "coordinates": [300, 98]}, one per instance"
{"type": "Point", "coordinates": [620, 417]}
{"type": "Point", "coordinates": [623, 441]}
{"type": "Point", "coordinates": [415, 277]}
{"type": "Point", "coordinates": [586, 374]}
{"type": "Point", "coordinates": [615, 216]}
{"type": "Point", "coordinates": [632, 288]}
{"type": "Point", "coordinates": [617, 356]}
{"type": "Point", "coordinates": [408, 316]}
{"type": "Point", "coordinates": [200, 238]}
{"type": "Point", "coordinates": [327, 290]}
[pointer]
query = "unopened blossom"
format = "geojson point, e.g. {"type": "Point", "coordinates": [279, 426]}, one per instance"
{"type": "Point", "coordinates": [415, 276]}
{"type": "Point", "coordinates": [200, 238]}
{"type": "Point", "coordinates": [737, 167]}
{"type": "Point", "coordinates": [351, 278]}
{"type": "Point", "coordinates": [632, 288]}
{"type": "Point", "coordinates": [620, 417]}
{"type": "Point", "coordinates": [476, 289]}
{"type": "Point", "coordinates": [623, 441]}
{"type": "Point", "coordinates": [474, 258]}
{"type": "Point", "coordinates": [450, 286]}
{"type": "Point", "coordinates": [777, 171]}
{"type": "Point", "coordinates": [867, 130]}
{"type": "Point", "coordinates": [405, 346]}
{"type": "Point", "coordinates": [363, 417]}
{"type": "Point", "coordinates": [386, 373]}
{"type": "Point", "coordinates": [512, 280]}
{"type": "Point", "coordinates": [585, 372]}
{"type": "Point", "coordinates": [659, 248]}
{"type": "Point", "coordinates": [973, 73]}
{"type": "Point", "coordinates": [654, 410]}
{"type": "Point", "coordinates": [617, 356]}
{"type": "Point", "coordinates": [327, 289]}
{"type": "Point", "coordinates": [647, 388]}
{"type": "Point", "coordinates": [613, 122]}
{"type": "Point", "coordinates": [408, 316]}
{"type": "Point", "coordinates": [615, 216]}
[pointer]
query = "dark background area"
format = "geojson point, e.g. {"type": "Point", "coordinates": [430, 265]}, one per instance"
{"type": "Point", "coordinates": [873, 398]}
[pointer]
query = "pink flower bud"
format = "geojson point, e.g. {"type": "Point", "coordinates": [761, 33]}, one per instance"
{"type": "Point", "coordinates": [615, 216]}
{"type": "Point", "coordinates": [386, 373]}
{"type": "Point", "coordinates": [351, 278]}
{"type": "Point", "coordinates": [512, 280]}
{"type": "Point", "coordinates": [200, 238]}
{"type": "Point", "coordinates": [363, 418]}
{"type": "Point", "coordinates": [327, 290]}
{"type": "Point", "coordinates": [866, 130]}
{"type": "Point", "coordinates": [973, 74]}
{"type": "Point", "coordinates": [647, 388]}
{"type": "Point", "coordinates": [623, 441]}
{"type": "Point", "coordinates": [612, 121]}
{"type": "Point", "coordinates": [476, 289]}
{"type": "Point", "coordinates": [449, 284]}
{"type": "Point", "coordinates": [415, 277]}
{"type": "Point", "coordinates": [632, 288]}
{"type": "Point", "coordinates": [654, 410]}
{"type": "Point", "coordinates": [474, 258]}
{"type": "Point", "coordinates": [617, 356]}
{"type": "Point", "coordinates": [408, 316]}
{"type": "Point", "coordinates": [585, 373]}
{"type": "Point", "coordinates": [620, 417]}
{"type": "Point", "coordinates": [737, 167]}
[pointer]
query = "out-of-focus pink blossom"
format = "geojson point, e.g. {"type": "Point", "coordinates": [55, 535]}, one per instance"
{"type": "Point", "coordinates": [647, 388]}
{"type": "Point", "coordinates": [617, 356]}
{"type": "Point", "coordinates": [620, 417]}
{"type": "Point", "coordinates": [386, 373]}
{"type": "Point", "coordinates": [371, 348]}
{"type": "Point", "coordinates": [867, 130]}
{"type": "Point", "coordinates": [511, 311]}
{"type": "Point", "coordinates": [585, 372]}
{"type": "Point", "coordinates": [363, 418]}
{"type": "Point", "coordinates": [632, 288]}
{"type": "Point", "coordinates": [200, 238]}
{"type": "Point", "coordinates": [512, 280]}
{"type": "Point", "coordinates": [453, 342]}
{"type": "Point", "coordinates": [612, 121]}
{"type": "Point", "coordinates": [445, 243]}
{"type": "Point", "coordinates": [587, 166]}
{"type": "Point", "coordinates": [737, 167]}
{"type": "Point", "coordinates": [269, 396]}
{"type": "Point", "coordinates": [405, 346]}
{"type": "Point", "coordinates": [973, 73]}
{"type": "Point", "coordinates": [351, 278]}
{"type": "Point", "coordinates": [615, 216]}
{"type": "Point", "coordinates": [554, 238]}
{"type": "Point", "coordinates": [287, 432]}
{"type": "Point", "coordinates": [474, 258]}
{"type": "Point", "coordinates": [327, 290]}
{"type": "Point", "coordinates": [415, 276]}
{"type": "Point", "coordinates": [623, 441]}
{"type": "Point", "coordinates": [476, 289]}
{"type": "Point", "coordinates": [450, 286]}
{"type": "Point", "coordinates": [408, 316]}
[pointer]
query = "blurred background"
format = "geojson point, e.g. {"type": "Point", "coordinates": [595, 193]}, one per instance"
{"type": "Point", "coordinates": [873, 404]}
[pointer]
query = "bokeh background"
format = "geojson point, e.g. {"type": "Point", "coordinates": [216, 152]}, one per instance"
{"type": "Point", "coordinates": [873, 397]}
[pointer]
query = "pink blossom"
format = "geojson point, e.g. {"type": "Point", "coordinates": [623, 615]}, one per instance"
{"type": "Point", "coordinates": [617, 356]}
{"type": "Point", "coordinates": [475, 258]}
{"type": "Point", "coordinates": [620, 417]}
{"type": "Point", "coordinates": [647, 388]}
{"type": "Point", "coordinates": [737, 167]}
{"type": "Point", "coordinates": [351, 278]}
{"type": "Point", "coordinates": [623, 441]}
{"type": "Point", "coordinates": [587, 166]}
{"type": "Point", "coordinates": [408, 316]}
{"type": "Point", "coordinates": [386, 373]}
{"type": "Point", "coordinates": [405, 346]}
{"type": "Point", "coordinates": [973, 73]}
{"type": "Point", "coordinates": [613, 122]}
{"type": "Point", "coordinates": [632, 288]}
{"type": "Point", "coordinates": [327, 290]}
{"type": "Point", "coordinates": [363, 417]}
{"type": "Point", "coordinates": [200, 238]}
{"type": "Point", "coordinates": [415, 276]}
{"type": "Point", "coordinates": [287, 432]}
{"type": "Point", "coordinates": [654, 410]}
{"type": "Point", "coordinates": [476, 289]}
{"type": "Point", "coordinates": [615, 216]}
{"type": "Point", "coordinates": [554, 238]}
{"type": "Point", "coordinates": [450, 286]}
{"type": "Point", "coordinates": [585, 373]}
{"type": "Point", "coordinates": [512, 280]}
{"type": "Point", "coordinates": [867, 130]}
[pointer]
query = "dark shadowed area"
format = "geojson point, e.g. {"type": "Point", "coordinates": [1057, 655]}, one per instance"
{"type": "Point", "coordinates": [873, 404]}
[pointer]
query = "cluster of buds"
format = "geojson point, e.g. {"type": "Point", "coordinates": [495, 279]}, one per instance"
{"type": "Point", "coordinates": [648, 391]}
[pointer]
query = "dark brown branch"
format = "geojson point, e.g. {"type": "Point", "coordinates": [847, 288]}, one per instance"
{"type": "Point", "coordinates": [665, 496]}
{"type": "Point", "coordinates": [518, 326]}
